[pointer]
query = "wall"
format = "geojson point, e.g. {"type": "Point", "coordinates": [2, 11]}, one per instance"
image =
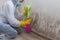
{"type": "Point", "coordinates": [51, 7]}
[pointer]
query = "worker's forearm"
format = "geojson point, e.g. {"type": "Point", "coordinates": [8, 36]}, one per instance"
{"type": "Point", "coordinates": [14, 22]}
{"type": "Point", "coordinates": [18, 15]}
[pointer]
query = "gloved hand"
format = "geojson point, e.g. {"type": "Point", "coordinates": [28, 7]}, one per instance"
{"type": "Point", "coordinates": [22, 23]}
{"type": "Point", "coordinates": [25, 12]}
{"type": "Point", "coordinates": [26, 22]}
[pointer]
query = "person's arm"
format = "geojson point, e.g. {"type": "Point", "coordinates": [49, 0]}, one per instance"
{"type": "Point", "coordinates": [19, 15]}
{"type": "Point", "coordinates": [10, 15]}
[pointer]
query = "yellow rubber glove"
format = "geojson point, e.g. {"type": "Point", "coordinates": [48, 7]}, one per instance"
{"type": "Point", "coordinates": [28, 21]}
{"type": "Point", "coordinates": [22, 23]}
{"type": "Point", "coordinates": [25, 13]}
